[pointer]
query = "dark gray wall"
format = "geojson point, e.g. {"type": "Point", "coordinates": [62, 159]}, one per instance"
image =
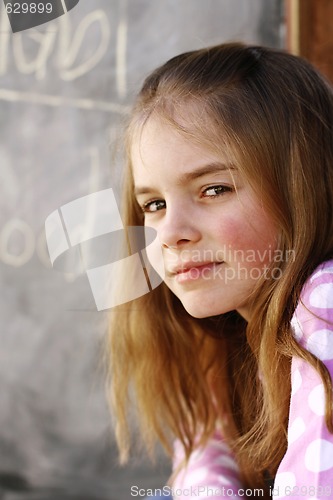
{"type": "Point", "coordinates": [65, 89]}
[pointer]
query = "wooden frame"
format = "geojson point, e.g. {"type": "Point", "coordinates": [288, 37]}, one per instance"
{"type": "Point", "coordinates": [310, 32]}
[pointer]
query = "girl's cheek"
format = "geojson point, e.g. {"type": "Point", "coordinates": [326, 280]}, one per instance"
{"type": "Point", "coordinates": [233, 233]}
{"type": "Point", "coordinates": [247, 242]}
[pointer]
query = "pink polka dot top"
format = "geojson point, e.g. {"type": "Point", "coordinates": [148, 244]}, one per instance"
{"type": "Point", "coordinates": [306, 470]}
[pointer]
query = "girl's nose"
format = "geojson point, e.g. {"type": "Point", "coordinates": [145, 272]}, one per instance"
{"type": "Point", "coordinates": [178, 228]}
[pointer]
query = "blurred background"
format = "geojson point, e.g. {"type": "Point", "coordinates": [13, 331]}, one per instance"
{"type": "Point", "coordinates": [65, 90]}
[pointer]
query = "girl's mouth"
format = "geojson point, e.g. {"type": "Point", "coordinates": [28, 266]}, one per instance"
{"type": "Point", "coordinates": [195, 272]}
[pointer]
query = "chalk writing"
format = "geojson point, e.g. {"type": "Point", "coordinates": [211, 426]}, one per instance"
{"type": "Point", "coordinates": [18, 241]}
{"type": "Point", "coordinates": [63, 42]}
{"type": "Point", "coordinates": [17, 259]}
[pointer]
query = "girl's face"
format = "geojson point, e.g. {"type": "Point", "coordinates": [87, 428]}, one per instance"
{"type": "Point", "coordinates": [216, 238]}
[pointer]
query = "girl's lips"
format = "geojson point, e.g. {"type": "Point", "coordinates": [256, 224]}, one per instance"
{"type": "Point", "coordinates": [196, 272]}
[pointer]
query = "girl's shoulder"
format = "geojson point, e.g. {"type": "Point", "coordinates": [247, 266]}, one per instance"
{"type": "Point", "coordinates": [317, 292]}
{"type": "Point", "coordinates": [313, 317]}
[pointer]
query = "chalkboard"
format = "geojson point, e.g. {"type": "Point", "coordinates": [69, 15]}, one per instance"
{"type": "Point", "coordinates": [65, 90]}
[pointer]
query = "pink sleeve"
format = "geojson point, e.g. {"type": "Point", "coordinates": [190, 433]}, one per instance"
{"type": "Point", "coordinates": [306, 471]}
{"type": "Point", "coordinates": [212, 472]}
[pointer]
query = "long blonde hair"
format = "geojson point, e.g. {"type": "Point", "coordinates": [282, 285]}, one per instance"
{"type": "Point", "coordinates": [275, 113]}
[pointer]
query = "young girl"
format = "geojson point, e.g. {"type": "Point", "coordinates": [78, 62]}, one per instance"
{"type": "Point", "coordinates": [230, 160]}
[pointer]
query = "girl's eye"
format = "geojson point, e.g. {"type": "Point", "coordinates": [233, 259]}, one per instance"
{"type": "Point", "coordinates": [214, 191]}
{"type": "Point", "coordinates": [153, 206]}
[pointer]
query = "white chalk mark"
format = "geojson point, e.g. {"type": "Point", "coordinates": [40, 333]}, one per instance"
{"type": "Point", "coordinates": [68, 52]}
{"type": "Point", "coordinates": [58, 101]}
{"type": "Point", "coordinates": [16, 260]}
{"type": "Point", "coordinates": [38, 65]}
{"type": "Point", "coordinates": [121, 51]}
{"type": "Point", "coordinates": [4, 45]}
{"type": "Point", "coordinates": [121, 58]}
{"type": "Point", "coordinates": [69, 43]}
{"type": "Point", "coordinates": [64, 6]}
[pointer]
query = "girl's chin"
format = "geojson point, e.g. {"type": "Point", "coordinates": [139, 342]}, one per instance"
{"type": "Point", "coordinates": [201, 310]}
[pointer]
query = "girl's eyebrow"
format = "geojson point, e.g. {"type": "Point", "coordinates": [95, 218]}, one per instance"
{"type": "Point", "coordinates": [211, 168]}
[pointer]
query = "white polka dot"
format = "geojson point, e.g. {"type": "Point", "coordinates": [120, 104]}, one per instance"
{"type": "Point", "coordinates": [284, 480]}
{"type": "Point", "coordinates": [296, 381]}
{"type": "Point", "coordinates": [326, 270]}
{"type": "Point", "coordinates": [223, 480]}
{"type": "Point", "coordinates": [196, 477]}
{"type": "Point", "coordinates": [319, 455]}
{"type": "Point", "coordinates": [322, 296]}
{"type": "Point", "coordinates": [320, 343]}
{"type": "Point", "coordinates": [316, 400]}
{"type": "Point", "coordinates": [296, 429]}
{"type": "Point", "coordinates": [298, 333]}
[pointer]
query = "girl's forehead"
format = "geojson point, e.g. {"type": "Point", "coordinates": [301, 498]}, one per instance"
{"type": "Point", "coordinates": [158, 146]}
{"type": "Point", "coordinates": [160, 135]}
